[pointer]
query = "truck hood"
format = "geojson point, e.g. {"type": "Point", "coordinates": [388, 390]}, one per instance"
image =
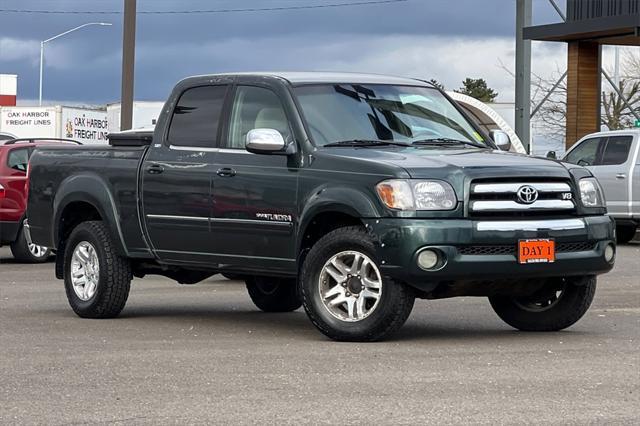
{"type": "Point", "coordinates": [425, 162]}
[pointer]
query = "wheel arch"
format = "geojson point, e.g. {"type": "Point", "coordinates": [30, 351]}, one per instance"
{"type": "Point", "coordinates": [329, 209]}
{"type": "Point", "coordinates": [79, 199]}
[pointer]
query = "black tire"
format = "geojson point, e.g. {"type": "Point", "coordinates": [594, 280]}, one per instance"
{"type": "Point", "coordinates": [530, 314]}
{"type": "Point", "coordinates": [394, 306]}
{"type": "Point", "coordinates": [115, 273]}
{"type": "Point", "coordinates": [625, 233]}
{"type": "Point", "coordinates": [273, 294]}
{"type": "Point", "coordinates": [21, 252]}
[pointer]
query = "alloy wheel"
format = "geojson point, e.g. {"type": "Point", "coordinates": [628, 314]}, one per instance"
{"type": "Point", "coordinates": [350, 286]}
{"type": "Point", "coordinates": [37, 251]}
{"type": "Point", "coordinates": [85, 271]}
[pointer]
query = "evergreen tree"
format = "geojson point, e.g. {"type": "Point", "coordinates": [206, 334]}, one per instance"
{"type": "Point", "coordinates": [477, 88]}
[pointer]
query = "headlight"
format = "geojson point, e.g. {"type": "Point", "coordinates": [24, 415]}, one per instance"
{"type": "Point", "coordinates": [590, 193]}
{"type": "Point", "coordinates": [411, 194]}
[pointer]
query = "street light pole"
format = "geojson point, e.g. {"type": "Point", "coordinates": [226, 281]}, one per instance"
{"type": "Point", "coordinates": [41, 69]}
{"type": "Point", "coordinates": [53, 38]}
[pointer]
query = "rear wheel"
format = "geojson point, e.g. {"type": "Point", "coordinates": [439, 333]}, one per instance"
{"type": "Point", "coordinates": [625, 233]}
{"type": "Point", "coordinates": [273, 294]}
{"type": "Point", "coordinates": [556, 306]}
{"type": "Point", "coordinates": [344, 292]}
{"type": "Point", "coordinates": [25, 251]}
{"type": "Point", "coordinates": [96, 278]}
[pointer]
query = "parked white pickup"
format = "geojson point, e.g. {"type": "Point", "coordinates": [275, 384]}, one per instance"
{"type": "Point", "coordinates": [614, 159]}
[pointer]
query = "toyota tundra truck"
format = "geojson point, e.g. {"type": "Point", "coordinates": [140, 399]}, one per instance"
{"type": "Point", "coordinates": [348, 194]}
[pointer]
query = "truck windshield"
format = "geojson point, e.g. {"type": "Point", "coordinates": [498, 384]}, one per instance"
{"type": "Point", "coordinates": [337, 113]}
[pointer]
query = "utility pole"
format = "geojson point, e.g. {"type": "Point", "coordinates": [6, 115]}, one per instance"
{"type": "Point", "coordinates": [128, 62]}
{"type": "Point", "coordinates": [523, 74]}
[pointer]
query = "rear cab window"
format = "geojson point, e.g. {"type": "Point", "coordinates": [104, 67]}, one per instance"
{"type": "Point", "coordinates": [196, 118]}
{"type": "Point", "coordinates": [617, 150]}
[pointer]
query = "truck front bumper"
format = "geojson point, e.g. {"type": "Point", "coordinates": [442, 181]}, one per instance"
{"type": "Point", "coordinates": [485, 250]}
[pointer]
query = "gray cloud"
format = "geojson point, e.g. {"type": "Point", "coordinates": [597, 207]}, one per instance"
{"type": "Point", "coordinates": [425, 38]}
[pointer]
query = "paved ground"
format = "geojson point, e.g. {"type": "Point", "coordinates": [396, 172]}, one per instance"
{"type": "Point", "coordinates": [204, 354]}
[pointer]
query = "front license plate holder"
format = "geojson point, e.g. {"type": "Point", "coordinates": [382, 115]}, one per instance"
{"type": "Point", "coordinates": [539, 250]}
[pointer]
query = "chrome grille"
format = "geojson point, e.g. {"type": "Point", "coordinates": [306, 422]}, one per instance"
{"type": "Point", "coordinates": [522, 196]}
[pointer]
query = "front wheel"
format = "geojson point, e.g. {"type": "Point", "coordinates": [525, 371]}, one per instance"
{"type": "Point", "coordinates": [556, 306]}
{"type": "Point", "coordinates": [344, 292]}
{"type": "Point", "coordinates": [96, 278]}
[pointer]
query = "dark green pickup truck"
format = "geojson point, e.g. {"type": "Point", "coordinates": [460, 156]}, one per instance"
{"type": "Point", "coordinates": [350, 194]}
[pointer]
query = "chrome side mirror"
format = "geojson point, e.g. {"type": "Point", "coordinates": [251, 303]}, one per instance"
{"type": "Point", "coordinates": [501, 139]}
{"type": "Point", "coordinates": [265, 141]}
{"type": "Point", "coordinates": [552, 155]}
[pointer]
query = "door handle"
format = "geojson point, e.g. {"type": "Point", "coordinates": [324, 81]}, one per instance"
{"type": "Point", "coordinates": [155, 169]}
{"type": "Point", "coordinates": [621, 176]}
{"type": "Point", "coordinates": [226, 172]}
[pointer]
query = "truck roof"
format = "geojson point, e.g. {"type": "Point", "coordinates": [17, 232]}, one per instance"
{"type": "Point", "coordinates": [630, 131]}
{"type": "Point", "coordinates": [314, 77]}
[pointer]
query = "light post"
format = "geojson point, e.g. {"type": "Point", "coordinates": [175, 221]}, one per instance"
{"type": "Point", "coordinates": [53, 38]}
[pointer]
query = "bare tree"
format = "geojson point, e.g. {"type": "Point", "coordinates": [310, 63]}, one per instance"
{"type": "Point", "coordinates": [550, 119]}
{"type": "Point", "coordinates": [615, 112]}
{"type": "Point", "coordinates": [616, 115]}
{"type": "Point", "coordinates": [631, 64]}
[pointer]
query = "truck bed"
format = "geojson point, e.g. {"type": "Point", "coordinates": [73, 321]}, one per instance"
{"type": "Point", "coordinates": [109, 173]}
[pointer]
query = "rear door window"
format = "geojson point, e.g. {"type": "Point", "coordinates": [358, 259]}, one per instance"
{"type": "Point", "coordinates": [617, 150]}
{"type": "Point", "coordinates": [196, 118]}
{"type": "Point", "coordinates": [585, 154]}
{"type": "Point", "coordinates": [18, 159]}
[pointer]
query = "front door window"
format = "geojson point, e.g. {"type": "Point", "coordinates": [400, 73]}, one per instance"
{"type": "Point", "coordinates": [256, 108]}
{"type": "Point", "coordinates": [586, 153]}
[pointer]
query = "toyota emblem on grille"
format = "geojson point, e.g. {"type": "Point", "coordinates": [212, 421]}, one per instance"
{"type": "Point", "coordinates": [527, 194]}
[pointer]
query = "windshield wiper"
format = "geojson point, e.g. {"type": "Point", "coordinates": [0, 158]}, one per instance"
{"type": "Point", "coordinates": [447, 141]}
{"type": "Point", "coordinates": [365, 142]}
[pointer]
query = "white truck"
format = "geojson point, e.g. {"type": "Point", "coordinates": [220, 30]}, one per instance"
{"type": "Point", "coordinates": [614, 159]}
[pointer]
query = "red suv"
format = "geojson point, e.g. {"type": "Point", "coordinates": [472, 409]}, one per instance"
{"type": "Point", "coordinates": [14, 158]}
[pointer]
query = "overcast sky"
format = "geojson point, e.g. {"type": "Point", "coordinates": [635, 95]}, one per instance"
{"type": "Point", "coordinates": [443, 39]}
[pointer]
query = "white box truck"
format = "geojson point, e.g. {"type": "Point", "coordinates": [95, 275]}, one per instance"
{"type": "Point", "coordinates": [85, 125]}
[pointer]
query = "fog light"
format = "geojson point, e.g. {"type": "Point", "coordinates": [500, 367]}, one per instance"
{"type": "Point", "coordinates": [428, 259]}
{"type": "Point", "coordinates": [609, 253]}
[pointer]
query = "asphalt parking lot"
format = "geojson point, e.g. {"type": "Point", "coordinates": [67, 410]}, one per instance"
{"type": "Point", "coordinates": [204, 354]}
